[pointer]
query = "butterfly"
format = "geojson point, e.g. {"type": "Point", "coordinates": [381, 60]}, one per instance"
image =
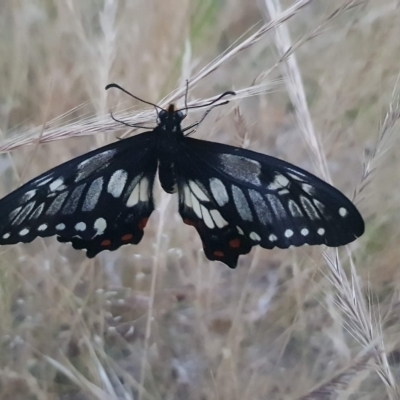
{"type": "Point", "coordinates": [235, 198]}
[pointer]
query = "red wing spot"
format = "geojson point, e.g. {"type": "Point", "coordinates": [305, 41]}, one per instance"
{"type": "Point", "coordinates": [218, 253]}
{"type": "Point", "coordinates": [234, 243]}
{"type": "Point", "coordinates": [189, 222]}
{"type": "Point", "coordinates": [127, 237]}
{"type": "Point", "coordinates": [143, 223]}
{"type": "Point", "coordinates": [105, 243]}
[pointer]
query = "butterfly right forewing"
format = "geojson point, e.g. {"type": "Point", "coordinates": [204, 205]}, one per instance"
{"type": "Point", "coordinates": [238, 198]}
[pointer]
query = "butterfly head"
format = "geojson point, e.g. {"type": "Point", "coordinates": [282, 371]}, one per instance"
{"type": "Point", "coordinates": [171, 118]}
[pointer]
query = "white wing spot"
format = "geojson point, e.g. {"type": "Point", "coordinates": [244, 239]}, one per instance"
{"type": "Point", "coordinates": [254, 236]}
{"type": "Point", "coordinates": [24, 213]}
{"type": "Point", "coordinates": [321, 231]}
{"type": "Point", "coordinates": [94, 163]}
{"type": "Point", "coordinates": [240, 230]}
{"type": "Point", "coordinates": [308, 188]}
{"type": "Point", "coordinates": [80, 226]}
{"type": "Point", "coordinates": [196, 206]}
{"type": "Point", "coordinates": [295, 209]}
{"type": "Point", "coordinates": [242, 206]}
{"type": "Point", "coordinates": [39, 209]}
{"type": "Point", "coordinates": [241, 168]}
{"type": "Point", "coordinates": [288, 233]}
{"type": "Point", "coordinates": [13, 213]}
{"type": "Point", "coordinates": [144, 188]}
{"type": "Point", "coordinates": [42, 181]}
{"type": "Point", "coordinates": [218, 219]}
{"type": "Point", "coordinates": [304, 231]}
{"type": "Point", "coordinates": [28, 195]}
{"type": "Point", "coordinates": [42, 227]}
{"type": "Point", "coordinates": [262, 210]}
{"type": "Point", "coordinates": [133, 198]}
{"type": "Point", "coordinates": [60, 227]}
{"type": "Point", "coordinates": [207, 217]}
{"type": "Point", "coordinates": [218, 191]}
{"type": "Point", "coordinates": [24, 232]}
{"type": "Point", "coordinates": [320, 206]}
{"type": "Point", "coordinates": [342, 212]}
{"type": "Point", "coordinates": [309, 208]}
{"type": "Point", "coordinates": [280, 182]}
{"type": "Point", "coordinates": [56, 184]}
{"type": "Point", "coordinates": [6, 236]}
{"type": "Point", "coordinates": [198, 192]}
{"type": "Point", "coordinates": [187, 196]}
{"type": "Point", "coordinates": [277, 207]}
{"type": "Point", "coordinates": [73, 200]}
{"type": "Point", "coordinates": [93, 194]}
{"type": "Point", "coordinates": [272, 238]}
{"type": "Point", "coordinates": [100, 225]}
{"type": "Point", "coordinates": [294, 176]}
{"type": "Point", "coordinates": [57, 203]}
{"type": "Point", "coordinates": [117, 183]}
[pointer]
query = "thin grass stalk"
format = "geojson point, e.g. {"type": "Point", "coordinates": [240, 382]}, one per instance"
{"type": "Point", "coordinates": [157, 264]}
{"type": "Point", "coordinates": [294, 85]}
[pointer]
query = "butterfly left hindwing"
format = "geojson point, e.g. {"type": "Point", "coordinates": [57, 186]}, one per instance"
{"type": "Point", "coordinates": [238, 198]}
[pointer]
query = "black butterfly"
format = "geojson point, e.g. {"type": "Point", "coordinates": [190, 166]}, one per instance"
{"type": "Point", "coordinates": [235, 198]}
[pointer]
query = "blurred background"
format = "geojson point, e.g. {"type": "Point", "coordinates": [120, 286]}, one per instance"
{"type": "Point", "coordinates": [317, 87]}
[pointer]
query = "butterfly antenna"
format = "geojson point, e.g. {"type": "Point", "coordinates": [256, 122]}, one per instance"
{"type": "Point", "coordinates": [228, 93]}
{"type": "Point", "coordinates": [114, 85]}
{"type": "Point", "coordinates": [186, 96]}
{"type": "Point", "coordinates": [196, 125]}
{"type": "Point", "coordinates": [130, 125]}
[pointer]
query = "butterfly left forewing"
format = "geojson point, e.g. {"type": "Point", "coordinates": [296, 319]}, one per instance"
{"type": "Point", "coordinates": [98, 201]}
{"type": "Point", "coordinates": [268, 202]}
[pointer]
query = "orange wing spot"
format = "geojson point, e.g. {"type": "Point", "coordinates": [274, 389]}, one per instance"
{"type": "Point", "coordinates": [189, 222]}
{"type": "Point", "coordinates": [105, 243]}
{"type": "Point", "coordinates": [143, 223]}
{"type": "Point", "coordinates": [234, 243]}
{"type": "Point", "coordinates": [127, 237]}
{"type": "Point", "coordinates": [218, 253]}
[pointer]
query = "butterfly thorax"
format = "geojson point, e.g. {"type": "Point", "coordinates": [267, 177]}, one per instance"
{"type": "Point", "coordinates": [168, 145]}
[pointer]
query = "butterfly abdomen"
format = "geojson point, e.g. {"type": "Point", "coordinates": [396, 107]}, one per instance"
{"type": "Point", "coordinates": [167, 176]}
{"type": "Point", "coordinates": [169, 142]}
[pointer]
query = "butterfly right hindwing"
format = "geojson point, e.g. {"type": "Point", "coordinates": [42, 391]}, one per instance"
{"type": "Point", "coordinates": [221, 240]}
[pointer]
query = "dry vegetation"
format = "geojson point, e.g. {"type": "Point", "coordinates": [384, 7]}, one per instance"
{"type": "Point", "coordinates": [319, 88]}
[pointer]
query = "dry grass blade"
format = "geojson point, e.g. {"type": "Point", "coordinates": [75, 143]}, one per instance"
{"type": "Point", "coordinates": [254, 38]}
{"type": "Point", "coordinates": [92, 125]}
{"type": "Point", "coordinates": [72, 373]}
{"type": "Point", "coordinates": [293, 80]}
{"type": "Point", "coordinates": [103, 124]}
{"type": "Point", "coordinates": [350, 300]}
{"type": "Point", "coordinates": [348, 5]}
{"type": "Point", "coordinates": [332, 388]}
{"type": "Point", "coordinates": [318, 30]}
{"type": "Point", "coordinates": [385, 142]}
{"type": "Point", "coordinates": [295, 88]}
{"type": "Point", "coordinates": [158, 262]}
